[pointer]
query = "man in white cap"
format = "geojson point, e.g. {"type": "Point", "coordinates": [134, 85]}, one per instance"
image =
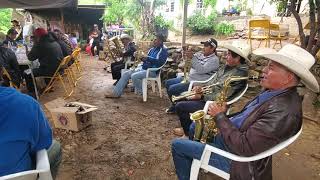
{"type": "Point", "coordinates": [270, 118]}
{"type": "Point", "coordinates": [129, 49]}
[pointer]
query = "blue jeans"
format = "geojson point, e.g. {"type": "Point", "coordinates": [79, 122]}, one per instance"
{"type": "Point", "coordinates": [54, 155]}
{"type": "Point", "coordinates": [137, 79]}
{"type": "Point", "coordinates": [123, 81]}
{"type": "Point", "coordinates": [175, 87]}
{"type": "Point", "coordinates": [184, 151]}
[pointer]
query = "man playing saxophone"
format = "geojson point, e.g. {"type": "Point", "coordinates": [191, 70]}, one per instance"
{"type": "Point", "coordinates": [270, 118]}
{"type": "Point", "coordinates": [202, 66]}
{"type": "Point", "coordinates": [235, 66]}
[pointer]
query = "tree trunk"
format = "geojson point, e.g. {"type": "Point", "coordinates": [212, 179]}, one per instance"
{"type": "Point", "coordinates": [316, 48]}
{"type": "Point", "coordinates": [312, 21]}
{"type": "Point", "coordinates": [292, 8]}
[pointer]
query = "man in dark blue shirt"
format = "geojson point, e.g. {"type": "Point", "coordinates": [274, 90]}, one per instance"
{"type": "Point", "coordinates": [157, 56]}
{"type": "Point", "coordinates": [24, 131]}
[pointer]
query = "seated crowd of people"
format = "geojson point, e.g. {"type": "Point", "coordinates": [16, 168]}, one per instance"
{"type": "Point", "coordinates": [273, 116]}
{"type": "Point", "coordinates": [27, 128]}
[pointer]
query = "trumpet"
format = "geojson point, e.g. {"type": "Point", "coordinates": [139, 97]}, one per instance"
{"type": "Point", "coordinates": [205, 127]}
{"type": "Point", "coordinates": [204, 90]}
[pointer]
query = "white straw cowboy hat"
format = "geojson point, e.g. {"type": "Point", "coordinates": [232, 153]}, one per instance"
{"type": "Point", "coordinates": [296, 59]}
{"type": "Point", "coordinates": [240, 48]}
{"type": "Point", "coordinates": [125, 36]}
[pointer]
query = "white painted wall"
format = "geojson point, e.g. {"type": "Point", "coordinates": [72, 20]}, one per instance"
{"type": "Point", "coordinates": [258, 7]}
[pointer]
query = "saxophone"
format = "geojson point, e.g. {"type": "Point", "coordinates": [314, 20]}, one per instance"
{"type": "Point", "coordinates": [187, 65]}
{"type": "Point", "coordinates": [205, 127]}
{"type": "Point", "coordinates": [116, 42]}
{"type": "Point", "coordinates": [138, 55]}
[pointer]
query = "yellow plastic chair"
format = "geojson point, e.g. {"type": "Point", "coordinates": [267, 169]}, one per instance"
{"type": "Point", "coordinates": [76, 56]}
{"type": "Point", "coordinates": [57, 76]}
{"type": "Point", "coordinates": [275, 34]}
{"type": "Point", "coordinates": [262, 24]}
{"type": "Point", "coordinates": [6, 74]}
{"type": "Point", "coordinates": [69, 72]}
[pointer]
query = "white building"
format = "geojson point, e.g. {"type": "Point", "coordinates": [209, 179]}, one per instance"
{"type": "Point", "coordinates": [173, 10]}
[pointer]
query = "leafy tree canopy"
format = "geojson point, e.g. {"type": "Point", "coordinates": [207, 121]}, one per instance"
{"type": "Point", "coordinates": [5, 23]}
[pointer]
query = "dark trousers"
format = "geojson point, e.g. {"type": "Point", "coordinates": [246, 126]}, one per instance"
{"type": "Point", "coordinates": [36, 72]}
{"type": "Point", "coordinates": [116, 69]}
{"type": "Point", "coordinates": [183, 108]}
{"type": "Point", "coordinates": [95, 43]}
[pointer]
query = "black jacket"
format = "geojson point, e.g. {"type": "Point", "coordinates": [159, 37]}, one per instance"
{"type": "Point", "coordinates": [8, 60]}
{"type": "Point", "coordinates": [49, 53]}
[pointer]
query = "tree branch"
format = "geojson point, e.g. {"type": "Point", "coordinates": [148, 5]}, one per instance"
{"type": "Point", "coordinates": [312, 21]}
{"type": "Point", "coordinates": [292, 8]}
{"type": "Point", "coordinates": [316, 48]}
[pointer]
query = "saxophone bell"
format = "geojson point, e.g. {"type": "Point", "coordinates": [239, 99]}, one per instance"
{"type": "Point", "coordinates": [198, 117]}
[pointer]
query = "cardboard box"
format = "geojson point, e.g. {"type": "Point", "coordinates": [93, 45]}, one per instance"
{"type": "Point", "coordinates": [71, 116]}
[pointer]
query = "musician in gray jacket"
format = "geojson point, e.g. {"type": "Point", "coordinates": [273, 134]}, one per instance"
{"type": "Point", "coordinates": [203, 66]}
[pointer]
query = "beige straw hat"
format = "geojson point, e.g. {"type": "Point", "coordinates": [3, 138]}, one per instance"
{"type": "Point", "coordinates": [241, 49]}
{"type": "Point", "coordinates": [296, 59]}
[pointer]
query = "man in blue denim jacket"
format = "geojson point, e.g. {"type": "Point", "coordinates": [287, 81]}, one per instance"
{"type": "Point", "coordinates": [157, 56]}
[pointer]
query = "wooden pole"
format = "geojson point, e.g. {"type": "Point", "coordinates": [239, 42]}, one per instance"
{"type": "Point", "coordinates": [62, 19]}
{"type": "Point", "coordinates": [184, 23]}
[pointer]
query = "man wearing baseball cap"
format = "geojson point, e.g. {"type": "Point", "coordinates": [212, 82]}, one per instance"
{"type": "Point", "coordinates": [212, 42]}
{"type": "Point", "coordinates": [16, 26]}
{"type": "Point", "coordinates": [203, 65]}
{"type": "Point", "coordinates": [270, 118]}
{"type": "Point", "coordinates": [10, 38]}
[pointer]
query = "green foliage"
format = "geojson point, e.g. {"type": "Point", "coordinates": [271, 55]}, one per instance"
{"type": "Point", "coordinates": [5, 22]}
{"type": "Point", "coordinates": [224, 28]}
{"type": "Point", "coordinates": [249, 12]}
{"type": "Point", "coordinates": [159, 21]}
{"type": "Point", "coordinates": [281, 5]}
{"type": "Point", "coordinates": [114, 12]}
{"type": "Point", "coordinates": [211, 3]}
{"type": "Point", "coordinates": [90, 2]}
{"type": "Point", "coordinates": [199, 24]}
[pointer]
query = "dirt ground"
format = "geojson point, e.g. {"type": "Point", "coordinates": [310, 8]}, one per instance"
{"type": "Point", "coordinates": [130, 139]}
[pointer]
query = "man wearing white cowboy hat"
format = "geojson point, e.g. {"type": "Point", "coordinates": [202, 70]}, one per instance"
{"type": "Point", "coordinates": [270, 118]}
{"type": "Point", "coordinates": [129, 49]}
{"type": "Point", "coordinates": [235, 66]}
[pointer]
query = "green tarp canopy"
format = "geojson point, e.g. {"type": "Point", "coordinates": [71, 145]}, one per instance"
{"type": "Point", "coordinates": [38, 4]}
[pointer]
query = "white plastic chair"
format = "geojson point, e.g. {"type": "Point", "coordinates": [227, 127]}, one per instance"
{"type": "Point", "coordinates": [128, 63]}
{"type": "Point", "coordinates": [153, 81]}
{"type": "Point", "coordinates": [235, 99]}
{"type": "Point", "coordinates": [42, 171]}
{"type": "Point", "coordinates": [201, 82]}
{"type": "Point", "coordinates": [204, 161]}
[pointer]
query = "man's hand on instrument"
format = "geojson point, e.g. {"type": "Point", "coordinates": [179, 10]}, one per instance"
{"type": "Point", "coordinates": [215, 109]}
{"type": "Point", "coordinates": [188, 54]}
{"type": "Point", "coordinates": [195, 97]}
{"type": "Point", "coordinates": [197, 89]}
